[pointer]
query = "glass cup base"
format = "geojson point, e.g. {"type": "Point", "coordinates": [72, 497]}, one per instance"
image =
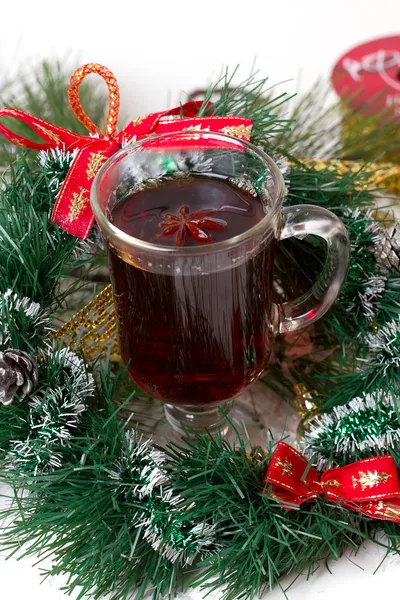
{"type": "Point", "coordinates": [198, 420]}
{"type": "Point", "coordinates": [235, 419]}
{"type": "Point", "coordinates": [254, 416]}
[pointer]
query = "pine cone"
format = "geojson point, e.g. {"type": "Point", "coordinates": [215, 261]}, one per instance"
{"type": "Point", "coordinates": [18, 375]}
{"type": "Point", "coordinates": [387, 249]}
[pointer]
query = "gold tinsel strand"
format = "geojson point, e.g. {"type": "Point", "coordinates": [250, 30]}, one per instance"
{"type": "Point", "coordinates": [93, 330]}
{"type": "Point", "coordinates": [376, 176]}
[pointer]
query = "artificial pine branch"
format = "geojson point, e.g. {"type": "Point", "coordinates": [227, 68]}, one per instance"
{"type": "Point", "coordinates": [260, 540]}
{"type": "Point", "coordinates": [34, 252]}
{"type": "Point", "coordinates": [308, 125]}
{"type": "Point", "coordinates": [84, 519]}
{"type": "Point", "coordinates": [250, 99]}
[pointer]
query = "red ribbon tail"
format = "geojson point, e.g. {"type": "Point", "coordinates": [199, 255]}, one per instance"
{"type": "Point", "coordinates": [383, 510]}
{"type": "Point", "coordinates": [53, 136]}
{"type": "Point", "coordinates": [287, 500]}
{"type": "Point", "coordinates": [72, 211]}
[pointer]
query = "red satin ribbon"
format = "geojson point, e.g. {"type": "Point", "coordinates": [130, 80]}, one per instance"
{"type": "Point", "coordinates": [72, 211]}
{"type": "Point", "coordinates": [370, 486]}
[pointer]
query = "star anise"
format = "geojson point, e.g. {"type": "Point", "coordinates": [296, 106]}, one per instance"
{"type": "Point", "coordinates": [197, 225]}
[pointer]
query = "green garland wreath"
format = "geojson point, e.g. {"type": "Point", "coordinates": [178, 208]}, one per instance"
{"type": "Point", "coordinates": [121, 516]}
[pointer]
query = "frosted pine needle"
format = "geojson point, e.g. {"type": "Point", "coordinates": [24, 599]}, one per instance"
{"type": "Point", "coordinates": [384, 345]}
{"type": "Point", "coordinates": [369, 226]}
{"type": "Point", "coordinates": [141, 465]}
{"type": "Point", "coordinates": [74, 376]}
{"type": "Point", "coordinates": [20, 317]}
{"type": "Point", "coordinates": [56, 164]}
{"type": "Point", "coordinates": [53, 418]}
{"type": "Point", "coordinates": [370, 295]}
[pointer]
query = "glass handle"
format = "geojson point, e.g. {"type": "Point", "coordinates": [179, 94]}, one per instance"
{"type": "Point", "coordinates": [305, 220]}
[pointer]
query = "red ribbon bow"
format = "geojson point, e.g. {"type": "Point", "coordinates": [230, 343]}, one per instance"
{"type": "Point", "coordinates": [72, 211]}
{"type": "Point", "coordinates": [370, 486]}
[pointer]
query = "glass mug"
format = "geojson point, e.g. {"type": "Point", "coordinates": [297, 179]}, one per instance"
{"type": "Point", "coordinates": [196, 323]}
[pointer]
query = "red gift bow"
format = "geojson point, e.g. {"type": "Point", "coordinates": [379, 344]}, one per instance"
{"type": "Point", "coordinates": [370, 486]}
{"type": "Point", "coordinates": [72, 211]}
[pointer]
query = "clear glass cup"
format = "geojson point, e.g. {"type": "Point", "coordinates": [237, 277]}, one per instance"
{"type": "Point", "coordinates": [196, 323]}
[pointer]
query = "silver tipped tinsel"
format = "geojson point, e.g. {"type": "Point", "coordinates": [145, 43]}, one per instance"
{"type": "Point", "coordinates": [248, 183]}
{"type": "Point", "coordinates": [54, 415]}
{"type": "Point", "coordinates": [370, 295]}
{"type": "Point", "coordinates": [371, 227]}
{"type": "Point", "coordinates": [384, 345]}
{"type": "Point", "coordinates": [77, 381]}
{"type": "Point", "coordinates": [59, 408]}
{"type": "Point", "coordinates": [374, 288]}
{"type": "Point", "coordinates": [142, 463]}
{"type": "Point", "coordinates": [56, 164]}
{"type": "Point", "coordinates": [244, 184]}
{"type": "Point", "coordinates": [387, 249]}
{"type": "Point", "coordinates": [284, 167]}
{"type": "Point", "coordinates": [367, 424]}
{"type": "Point", "coordinates": [196, 540]}
{"type": "Point", "coordinates": [140, 473]}
{"type": "Point", "coordinates": [16, 309]}
{"type": "Point", "coordinates": [193, 161]}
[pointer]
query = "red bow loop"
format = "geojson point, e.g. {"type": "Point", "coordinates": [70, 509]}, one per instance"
{"type": "Point", "coordinates": [72, 210]}
{"type": "Point", "coordinates": [370, 486]}
{"type": "Point", "coordinates": [113, 98]}
{"type": "Point", "coordinates": [287, 473]}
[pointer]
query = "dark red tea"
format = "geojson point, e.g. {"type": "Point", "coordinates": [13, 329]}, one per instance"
{"type": "Point", "coordinates": [202, 337]}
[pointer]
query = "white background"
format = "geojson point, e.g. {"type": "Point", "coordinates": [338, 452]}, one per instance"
{"type": "Point", "coordinates": [157, 50]}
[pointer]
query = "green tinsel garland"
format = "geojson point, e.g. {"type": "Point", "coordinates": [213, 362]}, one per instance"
{"type": "Point", "coordinates": [121, 517]}
{"type": "Point", "coordinates": [364, 427]}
